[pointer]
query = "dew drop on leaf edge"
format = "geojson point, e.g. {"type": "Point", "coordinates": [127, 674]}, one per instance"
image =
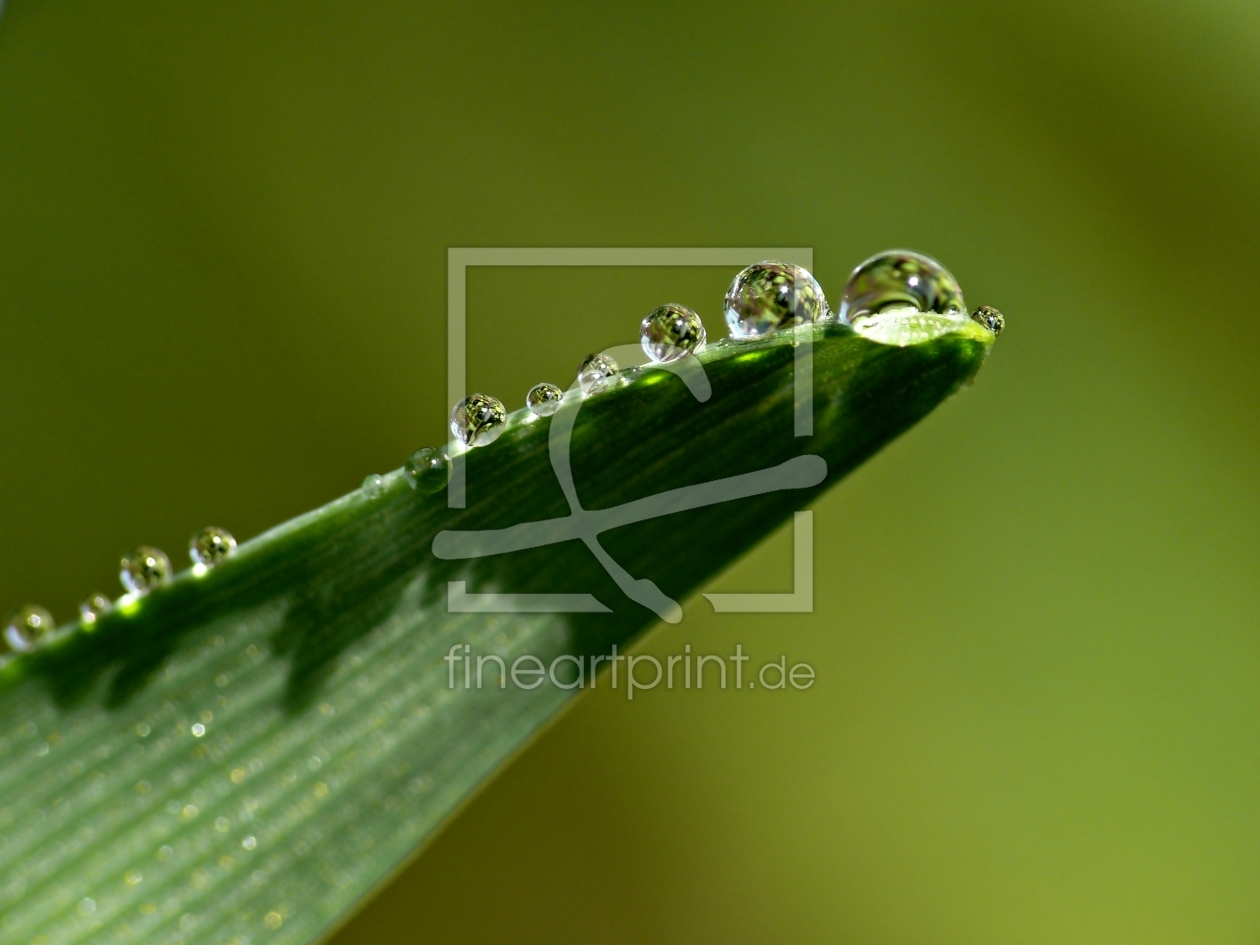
{"type": "Point", "coordinates": [93, 607]}
{"type": "Point", "coordinates": [544, 399]}
{"type": "Point", "coordinates": [25, 628]}
{"type": "Point", "coordinates": [210, 546]}
{"type": "Point", "coordinates": [771, 295]}
{"type": "Point", "coordinates": [896, 279]}
{"type": "Point", "coordinates": [596, 372]}
{"type": "Point", "coordinates": [428, 470]}
{"type": "Point", "coordinates": [373, 485]}
{"type": "Point", "coordinates": [144, 569]}
{"type": "Point", "coordinates": [990, 318]}
{"type": "Point", "coordinates": [478, 419]}
{"type": "Point", "coordinates": [670, 332]}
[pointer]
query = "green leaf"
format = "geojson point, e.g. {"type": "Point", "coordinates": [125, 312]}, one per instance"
{"type": "Point", "coordinates": [241, 756]}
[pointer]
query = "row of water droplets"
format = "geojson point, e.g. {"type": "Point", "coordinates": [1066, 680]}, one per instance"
{"type": "Point", "coordinates": [140, 572]}
{"type": "Point", "coordinates": [763, 298]}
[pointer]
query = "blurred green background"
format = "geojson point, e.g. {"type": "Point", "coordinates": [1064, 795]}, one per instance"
{"type": "Point", "coordinates": [223, 233]}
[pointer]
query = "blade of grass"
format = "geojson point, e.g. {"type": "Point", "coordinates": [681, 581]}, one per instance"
{"type": "Point", "coordinates": [241, 756]}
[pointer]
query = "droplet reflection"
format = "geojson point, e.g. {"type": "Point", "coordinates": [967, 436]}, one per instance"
{"type": "Point", "coordinates": [478, 419]}
{"type": "Point", "coordinates": [771, 295]}
{"type": "Point", "coordinates": [544, 399]}
{"type": "Point", "coordinates": [596, 372]}
{"type": "Point", "coordinates": [144, 569]}
{"type": "Point", "coordinates": [898, 279]}
{"type": "Point", "coordinates": [210, 546]}
{"type": "Point", "coordinates": [93, 607]}
{"type": "Point", "coordinates": [671, 332]}
{"type": "Point", "coordinates": [990, 318]}
{"type": "Point", "coordinates": [428, 470]}
{"type": "Point", "coordinates": [26, 628]}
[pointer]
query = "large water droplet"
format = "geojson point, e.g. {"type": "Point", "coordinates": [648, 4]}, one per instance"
{"type": "Point", "coordinates": [478, 419]}
{"type": "Point", "coordinates": [899, 279]}
{"type": "Point", "coordinates": [544, 399]}
{"type": "Point", "coordinates": [93, 607]}
{"type": "Point", "coordinates": [210, 546]}
{"type": "Point", "coordinates": [27, 627]}
{"type": "Point", "coordinates": [428, 470]}
{"type": "Point", "coordinates": [990, 318]}
{"type": "Point", "coordinates": [144, 569]}
{"type": "Point", "coordinates": [596, 372]}
{"type": "Point", "coordinates": [671, 332]}
{"type": "Point", "coordinates": [373, 485]}
{"type": "Point", "coordinates": [771, 295]}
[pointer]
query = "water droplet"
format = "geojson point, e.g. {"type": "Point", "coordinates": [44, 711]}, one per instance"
{"type": "Point", "coordinates": [771, 295]}
{"type": "Point", "coordinates": [670, 332]}
{"type": "Point", "coordinates": [428, 470]}
{"type": "Point", "coordinates": [543, 399]}
{"type": "Point", "coordinates": [27, 627]}
{"type": "Point", "coordinates": [897, 279]}
{"type": "Point", "coordinates": [211, 546]}
{"type": "Point", "coordinates": [249, 843]}
{"type": "Point", "coordinates": [373, 485]}
{"type": "Point", "coordinates": [990, 318]}
{"type": "Point", "coordinates": [87, 906]}
{"type": "Point", "coordinates": [198, 730]}
{"type": "Point", "coordinates": [478, 419]}
{"type": "Point", "coordinates": [143, 570]}
{"type": "Point", "coordinates": [97, 605]}
{"type": "Point", "coordinates": [595, 372]}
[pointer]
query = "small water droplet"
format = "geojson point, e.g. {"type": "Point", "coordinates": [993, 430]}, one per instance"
{"type": "Point", "coordinates": [544, 399]}
{"type": "Point", "coordinates": [198, 730]}
{"type": "Point", "coordinates": [143, 570]}
{"type": "Point", "coordinates": [428, 470]}
{"type": "Point", "coordinates": [273, 920]}
{"type": "Point", "coordinates": [896, 279]}
{"type": "Point", "coordinates": [771, 295]}
{"type": "Point", "coordinates": [210, 546]}
{"type": "Point", "coordinates": [373, 485]}
{"type": "Point", "coordinates": [87, 906]}
{"type": "Point", "coordinates": [26, 627]}
{"type": "Point", "coordinates": [595, 372]}
{"type": "Point", "coordinates": [97, 605]}
{"type": "Point", "coordinates": [990, 318]}
{"type": "Point", "coordinates": [133, 877]}
{"type": "Point", "coordinates": [671, 332]}
{"type": "Point", "coordinates": [249, 843]}
{"type": "Point", "coordinates": [478, 419]}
